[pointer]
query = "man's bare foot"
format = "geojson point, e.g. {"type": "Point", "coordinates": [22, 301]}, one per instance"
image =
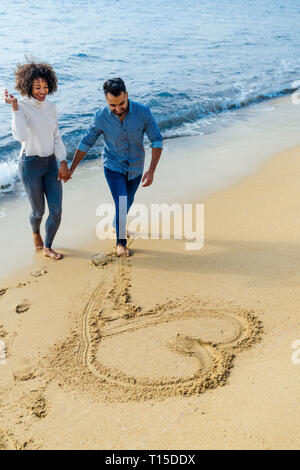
{"type": "Point", "coordinates": [123, 251]}
{"type": "Point", "coordinates": [38, 241]}
{"type": "Point", "coordinates": [52, 254]}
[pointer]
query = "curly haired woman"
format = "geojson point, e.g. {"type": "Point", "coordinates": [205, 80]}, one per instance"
{"type": "Point", "coordinates": [35, 124]}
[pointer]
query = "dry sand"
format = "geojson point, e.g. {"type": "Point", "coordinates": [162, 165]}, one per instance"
{"type": "Point", "coordinates": [168, 349]}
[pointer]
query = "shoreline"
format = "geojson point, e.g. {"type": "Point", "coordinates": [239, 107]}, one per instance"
{"type": "Point", "coordinates": [54, 387]}
{"type": "Point", "coordinates": [211, 163]}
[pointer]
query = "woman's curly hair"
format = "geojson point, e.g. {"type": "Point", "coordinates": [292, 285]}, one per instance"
{"type": "Point", "coordinates": [27, 73]}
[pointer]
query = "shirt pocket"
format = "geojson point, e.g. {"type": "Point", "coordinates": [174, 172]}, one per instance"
{"type": "Point", "coordinates": [136, 134]}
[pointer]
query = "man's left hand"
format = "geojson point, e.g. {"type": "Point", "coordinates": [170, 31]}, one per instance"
{"type": "Point", "coordinates": [148, 178]}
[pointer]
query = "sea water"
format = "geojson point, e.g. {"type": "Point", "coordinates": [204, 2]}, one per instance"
{"type": "Point", "coordinates": [198, 65]}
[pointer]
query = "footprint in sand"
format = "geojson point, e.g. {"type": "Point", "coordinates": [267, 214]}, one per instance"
{"type": "Point", "coordinates": [35, 402]}
{"type": "Point", "coordinates": [181, 347]}
{"type": "Point", "coordinates": [9, 442]}
{"type": "Point", "coordinates": [23, 307]}
{"type": "Point", "coordinates": [6, 440]}
{"type": "Point", "coordinates": [39, 273]}
{"type": "Point", "coordinates": [25, 374]}
{"type": "Point", "coordinates": [3, 333]}
{"type": "Point", "coordinates": [2, 291]}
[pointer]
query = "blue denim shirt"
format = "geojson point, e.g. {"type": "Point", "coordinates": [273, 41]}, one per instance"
{"type": "Point", "coordinates": [124, 141]}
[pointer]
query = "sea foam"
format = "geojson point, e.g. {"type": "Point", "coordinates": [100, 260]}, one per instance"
{"type": "Point", "coordinates": [8, 176]}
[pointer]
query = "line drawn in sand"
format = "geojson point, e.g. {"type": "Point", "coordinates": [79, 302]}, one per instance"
{"type": "Point", "coordinates": [208, 335]}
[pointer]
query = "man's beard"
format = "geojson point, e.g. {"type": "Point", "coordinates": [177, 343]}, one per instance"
{"type": "Point", "coordinates": [123, 112]}
{"type": "Point", "coordinates": [120, 114]}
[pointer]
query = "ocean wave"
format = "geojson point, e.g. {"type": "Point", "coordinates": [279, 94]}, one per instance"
{"type": "Point", "coordinates": [215, 106]}
{"type": "Point", "coordinates": [191, 119]}
{"type": "Point", "coordinates": [9, 177]}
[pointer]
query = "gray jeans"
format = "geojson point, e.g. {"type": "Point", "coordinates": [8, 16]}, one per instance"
{"type": "Point", "coordinates": [39, 176]}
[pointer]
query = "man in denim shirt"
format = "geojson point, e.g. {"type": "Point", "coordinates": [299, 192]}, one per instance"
{"type": "Point", "coordinates": [123, 124]}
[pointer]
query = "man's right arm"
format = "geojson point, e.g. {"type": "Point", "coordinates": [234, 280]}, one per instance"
{"type": "Point", "coordinates": [86, 142]}
{"type": "Point", "coordinates": [79, 155]}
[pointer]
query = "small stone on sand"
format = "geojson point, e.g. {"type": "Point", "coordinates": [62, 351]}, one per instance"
{"type": "Point", "coordinates": [100, 259]}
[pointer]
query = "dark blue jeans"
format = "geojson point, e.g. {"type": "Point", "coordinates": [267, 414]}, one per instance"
{"type": "Point", "coordinates": [39, 176]}
{"type": "Point", "coordinates": [120, 186]}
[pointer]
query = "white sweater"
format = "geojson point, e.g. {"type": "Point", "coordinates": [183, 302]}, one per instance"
{"type": "Point", "coordinates": [35, 124]}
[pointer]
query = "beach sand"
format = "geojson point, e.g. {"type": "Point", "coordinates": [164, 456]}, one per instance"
{"type": "Point", "coordinates": [168, 349]}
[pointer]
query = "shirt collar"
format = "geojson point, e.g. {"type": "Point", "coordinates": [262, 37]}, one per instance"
{"type": "Point", "coordinates": [129, 107]}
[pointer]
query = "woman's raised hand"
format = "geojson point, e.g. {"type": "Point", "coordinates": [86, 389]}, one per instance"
{"type": "Point", "coordinates": [10, 99]}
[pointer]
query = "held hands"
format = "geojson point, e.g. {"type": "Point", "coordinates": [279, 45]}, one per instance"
{"type": "Point", "coordinates": [64, 173]}
{"type": "Point", "coordinates": [10, 99]}
{"type": "Point", "coordinates": [148, 178]}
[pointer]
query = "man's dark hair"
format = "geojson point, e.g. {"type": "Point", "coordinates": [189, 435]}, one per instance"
{"type": "Point", "coordinates": [27, 73]}
{"type": "Point", "coordinates": [114, 86]}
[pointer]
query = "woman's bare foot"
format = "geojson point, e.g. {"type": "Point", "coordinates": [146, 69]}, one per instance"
{"type": "Point", "coordinates": [52, 254]}
{"type": "Point", "coordinates": [38, 241]}
{"type": "Point", "coordinates": [123, 251]}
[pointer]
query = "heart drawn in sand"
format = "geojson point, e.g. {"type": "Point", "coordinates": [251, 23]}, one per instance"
{"type": "Point", "coordinates": [180, 347]}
